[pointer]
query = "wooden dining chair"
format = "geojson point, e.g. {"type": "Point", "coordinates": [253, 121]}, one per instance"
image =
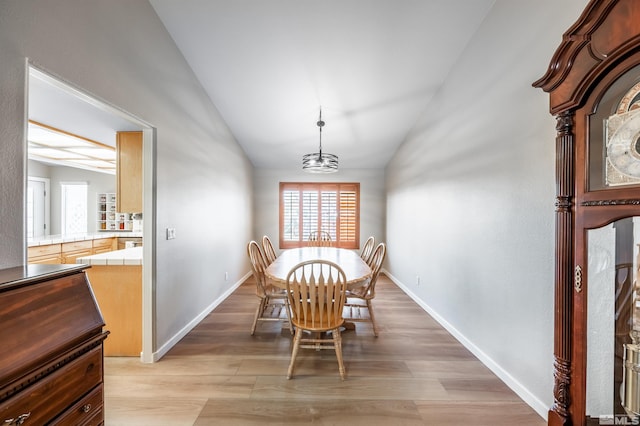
{"type": "Point", "coordinates": [269, 252]}
{"type": "Point", "coordinates": [358, 306]}
{"type": "Point", "coordinates": [367, 249]}
{"type": "Point", "coordinates": [319, 239]}
{"type": "Point", "coordinates": [317, 293]}
{"type": "Point", "coordinates": [274, 305]}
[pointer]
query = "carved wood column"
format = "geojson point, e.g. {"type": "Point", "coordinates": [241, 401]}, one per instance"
{"type": "Point", "coordinates": [564, 274]}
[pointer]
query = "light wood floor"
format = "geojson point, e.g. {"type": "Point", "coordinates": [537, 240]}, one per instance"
{"type": "Point", "coordinates": [415, 373]}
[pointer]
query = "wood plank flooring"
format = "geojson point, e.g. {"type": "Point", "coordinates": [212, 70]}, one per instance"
{"type": "Point", "coordinates": [414, 373]}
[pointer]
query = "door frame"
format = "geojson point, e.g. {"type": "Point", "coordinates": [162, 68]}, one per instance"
{"type": "Point", "coordinates": [47, 204]}
{"type": "Point", "coordinates": [148, 197]}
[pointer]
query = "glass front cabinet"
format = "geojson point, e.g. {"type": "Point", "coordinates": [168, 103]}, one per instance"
{"type": "Point", "coordinates": [593, 82]}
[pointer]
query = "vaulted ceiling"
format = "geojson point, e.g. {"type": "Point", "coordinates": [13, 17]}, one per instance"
{"type": "Point", "coordinates": [372, 65]}
{"type": "Point", "coordinates": [268, 66]}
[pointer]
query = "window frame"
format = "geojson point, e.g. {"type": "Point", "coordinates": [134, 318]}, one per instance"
{"type": "Point", "coordinates": [65, 206]}
{"type": "Point", "coordinates": [339, 188]}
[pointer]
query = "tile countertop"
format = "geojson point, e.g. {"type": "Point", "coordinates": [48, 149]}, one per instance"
{"type": "Point", "coordinates": [127, 257]}
{"type": "Point", "coordinates": [57, 239]}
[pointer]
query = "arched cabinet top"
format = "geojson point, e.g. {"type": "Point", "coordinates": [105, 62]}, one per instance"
{"type": "Point", "coordinates": [607, 32]}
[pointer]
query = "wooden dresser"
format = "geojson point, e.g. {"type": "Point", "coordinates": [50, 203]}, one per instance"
{"type": "Point", "coordinates": [51, 338]}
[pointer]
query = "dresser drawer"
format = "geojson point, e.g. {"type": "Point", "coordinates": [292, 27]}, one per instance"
{"type": "Point", "coordinates": [52, 395]}
{"type": "Point", "coordinates": [88, 411]}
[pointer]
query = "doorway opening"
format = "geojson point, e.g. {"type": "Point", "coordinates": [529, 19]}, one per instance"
{"type": "Point", "coordinates": [61, 105]}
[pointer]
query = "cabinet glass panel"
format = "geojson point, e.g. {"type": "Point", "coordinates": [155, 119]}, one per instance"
{"type": "Point", "coordinates": [612, 316]}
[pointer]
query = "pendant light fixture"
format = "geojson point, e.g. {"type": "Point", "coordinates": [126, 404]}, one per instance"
{"type": "Point", "coordinates": [320, 162]}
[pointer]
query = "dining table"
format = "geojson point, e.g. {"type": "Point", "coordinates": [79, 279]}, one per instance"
{"type": "Point", "coordinates": [355, 269]}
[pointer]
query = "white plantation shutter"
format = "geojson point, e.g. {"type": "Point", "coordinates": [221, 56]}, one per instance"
{"type": "Point", "coordinates": [309, 213]}
{"type": "Point", "coordinates": [329, 210]}
{"type": "Point", "coordinates": [330, 207]}
{"type": "Point", "coordinates": [349, 214]}
{"type": "Point", "coordinates": [290, 223]}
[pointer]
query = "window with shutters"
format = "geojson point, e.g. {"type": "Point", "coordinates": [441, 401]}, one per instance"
{"type": "Point", "coordinates": [329, 207]}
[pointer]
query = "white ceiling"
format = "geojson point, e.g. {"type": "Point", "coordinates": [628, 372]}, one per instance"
{"type": "Point", "coordinates": [60, 106]}
{"type": "Point", "coordinates": [56, 104]}
{"type": "Point", "coordinates": [268, 66]}
{"type": "Point", "coordinates": [372, 65]}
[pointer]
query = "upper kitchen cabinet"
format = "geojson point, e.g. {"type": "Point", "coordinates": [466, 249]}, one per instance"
{"type": "Point", "coordinates": [129, 172]}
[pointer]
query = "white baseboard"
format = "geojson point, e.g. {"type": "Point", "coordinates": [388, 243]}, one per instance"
{"type": "Point", "coordinates": [532, 400]}
{"type": "Point", "coordinates": [191, 325]}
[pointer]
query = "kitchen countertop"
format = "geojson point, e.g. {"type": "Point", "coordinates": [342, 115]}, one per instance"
{"type": "Point", "coordinates": [57, 239]}
{"type": "Point", "coordinates": [128, 257]}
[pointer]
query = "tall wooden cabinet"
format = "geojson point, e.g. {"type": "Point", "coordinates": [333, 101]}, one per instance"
{"type": "Point", "coordinates": [593, 82]}
{"type": "Point", "coordinates": [51, 356]}
{"type": "Point", "coordinates": [129, 172]}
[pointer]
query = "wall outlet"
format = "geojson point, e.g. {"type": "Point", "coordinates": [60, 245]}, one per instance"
{"type": "Point", "coordinates": [226, 276]}
{"type": "Point", "coordinates": [418, 280]}
{"type": "Point", "coordinates": [171, 233]}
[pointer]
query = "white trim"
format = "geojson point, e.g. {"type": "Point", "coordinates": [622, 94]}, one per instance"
{"type": "Point", "coordinates": [524, 393]}
{"type": "Point", "coordinates": [193, 323]}
{"type": "Point", "coordinates": [36, 71]}
{"type": "Point", "coordinates": [149, 243]}
{"type": "Point", "coordinates": [47, 201]}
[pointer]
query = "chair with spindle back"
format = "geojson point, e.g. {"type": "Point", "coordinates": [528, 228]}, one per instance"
{"type": "Point", "coordinates": [273, 300]}
{"type": "Point", "coordinates": [317, 292]}
{"type": "Point", "coordinates": [319, 239]}
{"type": "Point", "coordinates": [367, 249]}
{"type": "Point", "coordinates": [359, 298]}
{"type": "Point", "coordinates": [268, 250]}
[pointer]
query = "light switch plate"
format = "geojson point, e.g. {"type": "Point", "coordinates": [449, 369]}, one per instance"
{"type": "Point", "coordinates": [171, 233]}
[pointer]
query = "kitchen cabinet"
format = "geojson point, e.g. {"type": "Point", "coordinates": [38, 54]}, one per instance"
{"type": "Point", "coordinates": [129, 172]}
{"type": "Point", "coordinates": [118, 290]}
{"type": "Point", "coordinates": [107, 212]}
{"type": "Point", "coordinates": [51, 357]}
{"type": "Point", "coordinates": [128, 242]}
{"type": "Point", "coordinates": [68, 252]}
{"type": "Point", "coordinates": [116, 280]}
{"type": "Point", "coordinates": [48, 254]}
{"type": "Point", "coordinates": [71, 251]}
{"type": "Point", "coordinates": [104, 245]}
{"type": "Point", "coordinates": [108, 218]}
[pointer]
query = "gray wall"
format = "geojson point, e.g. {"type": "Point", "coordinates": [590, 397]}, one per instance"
{"type": "Point", "coordinates": [119, 51]}
{"type": "Point", "coordinates": [470, 197]}
{"type": "Point", "coordinates": [266, 199]}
